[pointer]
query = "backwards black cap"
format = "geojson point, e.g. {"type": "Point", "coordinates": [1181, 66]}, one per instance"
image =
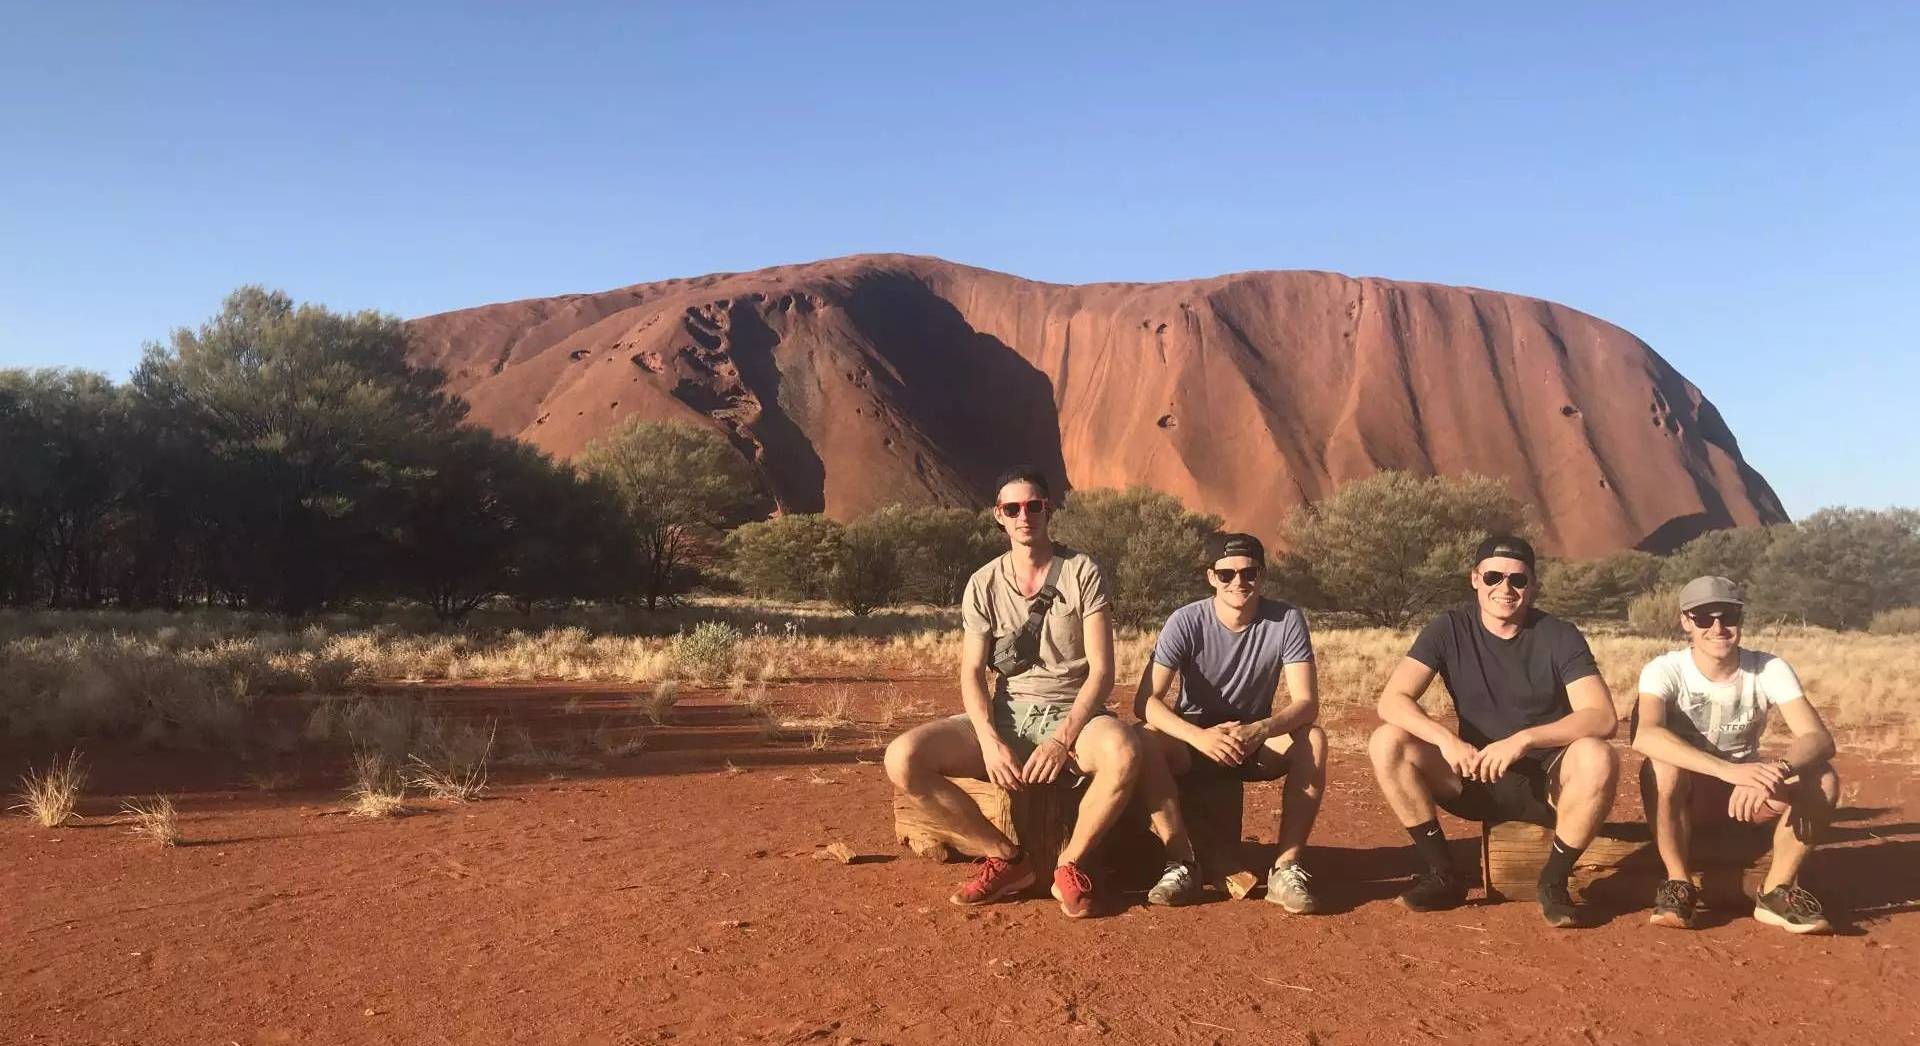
{"type": "Point", "coordinates": [1226, 546]}
{"type": "Point", "coordinates": [1505, 546]}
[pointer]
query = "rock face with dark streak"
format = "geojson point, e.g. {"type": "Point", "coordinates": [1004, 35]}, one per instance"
{"type": "Point", "coordinates": [858, 382]}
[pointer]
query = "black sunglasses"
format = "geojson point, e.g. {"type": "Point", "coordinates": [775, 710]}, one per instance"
{"type": "Point", "coordinates": [1011, 509]}
{"type": "Point", "coordinates": [1731, 617]}
{"type": "Point", "coordinates": [1492, 579]}
{"type": "Point", "coordinates": [1227, 574]}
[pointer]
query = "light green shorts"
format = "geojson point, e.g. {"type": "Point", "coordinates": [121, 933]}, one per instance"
{"type": "Point", "coordinates": [1024, 725]}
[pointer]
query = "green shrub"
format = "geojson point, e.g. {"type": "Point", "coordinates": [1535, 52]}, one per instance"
{"type": "Point", "coordinates": [866, 571]}
{"type": "Point", "coordinates": [1395, 546]}
{"type": "Point", "coordinates": [1656, 614]}
{"type": "Point", "coordinates": [787, 557]}
{"type": "Point", "coordinates": [935, 549]}
{"type": "Point", "coordinates": [708, 652]}
{"type": "Point", "coordinates": [1597, 588]}
{"type": "Point", "coordinates": [1148, 544]}
{"type": "Point", "coordinates": [1840, 566]}
{"type": "Point", "coordinates": [1732, 554]}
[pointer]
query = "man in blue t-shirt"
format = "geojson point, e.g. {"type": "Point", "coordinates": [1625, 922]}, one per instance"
{"type": "Point", "coordinates": [1230, 653]}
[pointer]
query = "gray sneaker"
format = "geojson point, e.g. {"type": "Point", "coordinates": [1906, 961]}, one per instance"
{"type": "Point", "coordinates": [1792, 909]}
{"type": "Point", "coordinates": [1287, 887]}
{"type": "Point", "coordinates": [1179, 884]}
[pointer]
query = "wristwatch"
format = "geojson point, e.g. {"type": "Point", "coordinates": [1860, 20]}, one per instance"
{"type": "Point", "coordinates": [1786, 768]}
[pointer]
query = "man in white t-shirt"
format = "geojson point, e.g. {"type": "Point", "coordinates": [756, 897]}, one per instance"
{"type": "Point", "coordinates": [1701, 714]}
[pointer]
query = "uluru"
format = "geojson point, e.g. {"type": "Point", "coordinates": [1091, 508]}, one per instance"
{"type": "Point", "coordinates": [862, 381]}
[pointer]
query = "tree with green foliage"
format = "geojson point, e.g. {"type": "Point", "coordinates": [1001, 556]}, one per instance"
{"type": "Point", "coordinates": [1735, 553]}
{"type": "Point", "coordinates": [935, 549]}
{"type": "Point", "coordinates": [306, 418]}
{"type": "Point", "coordinates": [1841, 566]}
{"type": "Point", "coordinates": [65, 481]}
{"type": "Point", "coordinates": [786, 557]}
{"type": "Point", "coordinates": [1597, 588]}
{"type": "Point", "coordinates": [1395, 546]}
{"type": "Point", "coordinates": [866, 571]}
{"type": "Point", "coordinates": [678, 488]}
{"type": "Point", "coordinates": [1148, 544]}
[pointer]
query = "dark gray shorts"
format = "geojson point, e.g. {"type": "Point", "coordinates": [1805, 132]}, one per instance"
{"type": "Point", "coordinates": [1523, 793]}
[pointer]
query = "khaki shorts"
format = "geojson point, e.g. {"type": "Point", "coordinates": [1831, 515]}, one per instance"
{"type": "Point", "coordinates": [1024, 725]}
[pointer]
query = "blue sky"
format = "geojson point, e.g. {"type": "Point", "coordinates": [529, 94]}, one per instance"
{"type": "Point", "coordinates": [1733, 183]}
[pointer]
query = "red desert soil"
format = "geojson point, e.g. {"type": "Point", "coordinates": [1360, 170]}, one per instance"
{"type": "Point", "coordinates": [670, 898]}
{"type": "Point", "coordinates": [857, 382]}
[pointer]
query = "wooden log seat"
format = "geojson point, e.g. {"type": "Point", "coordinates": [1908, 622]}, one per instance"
{"type": "Point", "coordinates": [1730, 862]}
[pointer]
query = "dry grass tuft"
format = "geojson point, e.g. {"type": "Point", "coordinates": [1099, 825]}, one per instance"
{"type": "Point", "coordinates": [607, 740]}
{"type": "Point", "coordinates": [659, 707]}
{"type": "Point", "coordinates": [154, 818]}
{"type": "Point", "coordinates": [49, 798]}
{"type": "Point", "coordinates": [453, 763]}
{"type": "Point", "coordinates": [271, 780]}
{"type": "Point", "coordinates": [378, 788]}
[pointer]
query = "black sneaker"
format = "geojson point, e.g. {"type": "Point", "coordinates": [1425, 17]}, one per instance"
{"type": "Point", "coordinates": [1792, 909]}
{"type": "Point", "coordinates": [1674, 904]}
{"type": "Point", "coordinates": [1556, 906]}
{"type": "Point", "coordinates": [1435, 892]}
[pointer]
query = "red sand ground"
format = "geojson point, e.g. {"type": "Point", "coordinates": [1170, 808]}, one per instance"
{"type": "Point", "coordinates": [667, 898]}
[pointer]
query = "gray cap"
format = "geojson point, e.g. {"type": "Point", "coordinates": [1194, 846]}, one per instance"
{"type": "Point", "coordinates": [1704, 590]}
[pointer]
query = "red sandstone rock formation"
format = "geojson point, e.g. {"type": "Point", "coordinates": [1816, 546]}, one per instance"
{"type": "Point", "coordinates": [861, 381]}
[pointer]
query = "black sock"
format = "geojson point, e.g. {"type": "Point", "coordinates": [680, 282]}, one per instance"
{"type": "Point", "coordinates": [1559, 863]}
{"type": "Point", "coordinates": [1431, 844]}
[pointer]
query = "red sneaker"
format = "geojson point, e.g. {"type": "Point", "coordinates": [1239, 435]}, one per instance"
{"type": "Point", "coordinates": [1073, 890]}
{"type": "Point", "coordinates": [994, 878]}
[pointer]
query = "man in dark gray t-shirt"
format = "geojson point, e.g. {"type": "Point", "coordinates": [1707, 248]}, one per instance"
{"type": "Point", "coordinates": [1231, 653]}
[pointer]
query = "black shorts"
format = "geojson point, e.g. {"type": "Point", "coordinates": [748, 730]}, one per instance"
{"type": "Point", "coordinates": [1200, 768]}
{"type": "Point", "coordinates": [1523, 793]}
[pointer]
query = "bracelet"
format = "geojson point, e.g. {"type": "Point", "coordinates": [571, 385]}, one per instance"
{"type": "Point", "coordinates": [1063, 745]}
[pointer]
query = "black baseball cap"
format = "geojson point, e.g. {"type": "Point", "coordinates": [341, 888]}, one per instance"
{"type": "Point", "coordinates": [1226, 546]}
{"type": "Point", "coordinates": [1504, 546]}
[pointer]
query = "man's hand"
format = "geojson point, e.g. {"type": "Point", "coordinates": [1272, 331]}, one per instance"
{"type": "Point", "coordinates": [1252, 735]}
{"type": "Point", "coordinates": [1747, 804]}
{"type": "Point", "coordinates": [1222, 744]}
{"type": "Point", "coordinates": [1045, 763]}
{"type": "Point", "coordinates": [1463, 757]}
{"type": "Point", "coordinates": [1765, 777]}
{"type": "Point", "coordinates": [1497, 758]}
{"type": "Point", "coordinates": [1001, 767]}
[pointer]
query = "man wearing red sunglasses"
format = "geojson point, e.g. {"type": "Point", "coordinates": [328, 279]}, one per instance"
{"type": "Point", "coordinates": [1534, 718]}
{"type": "Point", "coordinates": [1699, 721]}
{"type": "Point", "coordinates": [1038, 616]}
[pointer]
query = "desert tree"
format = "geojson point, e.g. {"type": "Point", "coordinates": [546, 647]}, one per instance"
{"type": "Point", "coordinates": [305, 416]}
{"type": "Point", "coordinates": [678, 488]}
{"type": "Point", "coordinates": [1148, 543]}
{"type": "Point", "coordinates": [1393, 546]}
{"type": "Point", "coordinates": [786, 557]}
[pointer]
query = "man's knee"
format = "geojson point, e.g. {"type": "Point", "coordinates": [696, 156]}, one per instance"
{"type": "Point", "coordinates": [1589, 766]}
{"type": "Point", "coordinates": [1309, 748]}
{"type": "Point", "coordinates": [1816, 795]}
{"type": "Point", "coordinates": [1669, 781]}
{"type": "Point", "coordinates": [1113, 749]}
{"type": "Point", "coordinates": [1389, 746]}
{"type": "Point", "coordinates": [902, 761]}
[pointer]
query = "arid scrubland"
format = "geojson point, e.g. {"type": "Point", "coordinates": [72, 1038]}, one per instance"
{"type": "Point", "coordinates": [196, 679]}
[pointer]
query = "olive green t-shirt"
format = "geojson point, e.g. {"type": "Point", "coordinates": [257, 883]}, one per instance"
{"type": "Point", "coordinates": [993, 606]}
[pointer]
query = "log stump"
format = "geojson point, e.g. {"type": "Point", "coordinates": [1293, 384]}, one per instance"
{"type": "Point", "coordinates": [1038, 819]}
{"type": "Point", "coordinates": [1213, 808]}
{"type": "Point", "coordinates": [1731, 862]}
